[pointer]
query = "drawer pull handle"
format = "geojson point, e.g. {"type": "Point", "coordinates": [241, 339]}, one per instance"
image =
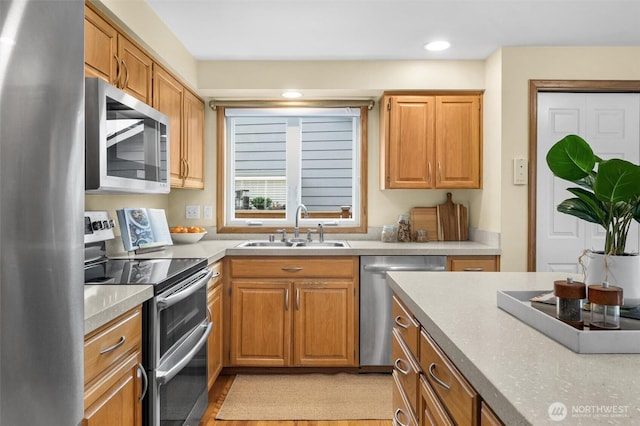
{"type": "Point", "coordinates": [400, 324]}
{"type": "Point", "coordinates": [438, 381]}
{"type": "Point", "coordinates": [473, 269]}
{"type": "Point", "coordinates": [114, 347]}
{"type": "Point", "coordinates": [397, 366]}
{"type": "Point", "coordinates": [397, 421]}
{"type": "Point", "coordinates": [291, 268]}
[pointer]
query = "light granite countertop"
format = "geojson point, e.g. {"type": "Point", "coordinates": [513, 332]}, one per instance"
{"type": "Point", "coordinates": [216, 249]}
{"type": "Point", "coordinates": [521, 373]}
{"type": "Point", "coordinates": [103, 303]}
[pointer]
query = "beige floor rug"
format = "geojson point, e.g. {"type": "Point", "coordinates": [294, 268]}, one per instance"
{"type": "Point", "coordinates": [309, 397]}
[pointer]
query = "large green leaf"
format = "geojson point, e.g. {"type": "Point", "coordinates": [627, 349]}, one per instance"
{"type": "Point", "coordinates": [571, 158]}
{"type": "Point", "coordinates": [580, 209]}
{"type": "Point", "coordinates": [617, 180]}
{"type": "Point", "coordinates": [596, 207]}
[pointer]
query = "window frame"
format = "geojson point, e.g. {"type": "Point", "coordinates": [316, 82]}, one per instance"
{"type": "Point", "coordinates": [224, 199]}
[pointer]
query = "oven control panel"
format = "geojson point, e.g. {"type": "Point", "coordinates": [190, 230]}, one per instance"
{"type": "Point", "coordinates": [98, 226]}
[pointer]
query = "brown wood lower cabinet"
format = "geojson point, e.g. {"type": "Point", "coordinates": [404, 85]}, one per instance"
{"type": "Point", "coordinates": [473, 263]}
{"type": "Point", "coordinates": [293, 311]}
{"type": "Point", "coordinates": [428, 388]}
{"type": "Point", "coordinates": [113, 374]}
{"type": "Point", "coordinates": [453, 390]}
{"type": "Point", "coordinates": [214, 303]}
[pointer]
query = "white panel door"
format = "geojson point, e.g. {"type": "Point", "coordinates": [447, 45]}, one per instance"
{"type": "Point", "coordinates": [610, 123]}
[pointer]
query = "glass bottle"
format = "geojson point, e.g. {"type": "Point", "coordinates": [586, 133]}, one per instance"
{"type": "Point", "coordinates": [605, 303]}
{"type": "Point", "coordinates": [404, 230]}
{"type": "Point", "coordinates": [570, 298]}
{"type": "Point", "coordinates": [389, 234]}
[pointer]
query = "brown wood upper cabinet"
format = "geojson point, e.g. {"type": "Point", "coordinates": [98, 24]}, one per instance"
{"type": "Point", "coordinates": [431, 141]}
{"type": "Point", "coordinates": [111, 56]}
{"type": "Point", "coordinates": [186, 128]}
{"type": "Point", "coordinates": [115, 58]}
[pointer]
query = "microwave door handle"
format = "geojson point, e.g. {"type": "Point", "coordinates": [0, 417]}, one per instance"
{"type": "Point", "coordinates": [165, 376]}
{"type": "Point", "coordinates": [166, 302]}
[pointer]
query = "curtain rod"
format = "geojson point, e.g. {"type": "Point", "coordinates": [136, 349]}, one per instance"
{"type": "Point", "coordinates": [214, 104]}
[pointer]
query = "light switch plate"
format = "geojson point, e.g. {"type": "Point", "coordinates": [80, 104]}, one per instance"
{"type": "Point", "coordinates": [192, 211]}
{"type": "Point", "coordinates": [208, 212]}
{"type": "Point", "coordinates": [520, 171]}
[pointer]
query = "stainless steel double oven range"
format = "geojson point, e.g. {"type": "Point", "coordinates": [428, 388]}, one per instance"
{"type": "Point", "coordinates": [176, 323]}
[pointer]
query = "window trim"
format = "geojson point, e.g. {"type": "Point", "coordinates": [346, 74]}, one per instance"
{"type": "Point", "coordinates": [222, 198]}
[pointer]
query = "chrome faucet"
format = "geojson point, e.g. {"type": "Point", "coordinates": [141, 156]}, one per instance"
{"type": "Point", "coordinates": [296, 230]}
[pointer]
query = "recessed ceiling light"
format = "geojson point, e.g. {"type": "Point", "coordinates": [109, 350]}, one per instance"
{"type": "Point", "coordinates": [437, 46]}
{"type": "Point", "coordinates": [291, 94]}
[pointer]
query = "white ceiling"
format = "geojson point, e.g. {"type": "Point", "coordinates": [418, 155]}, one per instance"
{"type": "Point", "coordinates": [391, 29]}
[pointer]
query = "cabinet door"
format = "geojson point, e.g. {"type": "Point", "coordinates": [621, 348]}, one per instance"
{"type": "Point", "coordinates": [193, 141]}
{"type": "Point", "coordinates": [118, 403]}
{"type": "Point", "coordinates": [458, 155]}
{"type": "Point", "coordinates": [324, 324]}
{"type": "Point", "coordinates": [411, 142]}
{"type": "Point", "coordinates": [261, 323]}
{"type": "Point", "coordinates": [100, 47]}
{"type": "Point", "coordinates": [136, 74]}
{"type": "Point", "coordinates": [168, 96]}
{"type": "Point", "coordinates": [214, 344]}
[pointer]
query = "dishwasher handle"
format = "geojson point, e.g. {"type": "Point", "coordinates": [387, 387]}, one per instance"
{"type": "Point", "coordinates": [392, 268]}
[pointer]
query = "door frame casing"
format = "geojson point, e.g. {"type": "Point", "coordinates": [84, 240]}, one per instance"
{"type": "Point", "coordinates": [569, 86]}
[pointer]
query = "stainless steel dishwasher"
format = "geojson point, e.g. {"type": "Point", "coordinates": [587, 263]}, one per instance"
{"type": "Point", "coordinates": [375, 302]}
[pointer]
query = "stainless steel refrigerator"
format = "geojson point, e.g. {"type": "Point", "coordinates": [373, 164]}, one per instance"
{"type": "Point", "coordinates": [41, 211]}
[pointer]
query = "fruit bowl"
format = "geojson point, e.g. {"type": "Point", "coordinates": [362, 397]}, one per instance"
{"type": "Point", "coordinates": [187, 237]}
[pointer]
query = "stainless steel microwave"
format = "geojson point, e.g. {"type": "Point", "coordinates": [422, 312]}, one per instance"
{"type": "Point", "coordinates": [126, 143]}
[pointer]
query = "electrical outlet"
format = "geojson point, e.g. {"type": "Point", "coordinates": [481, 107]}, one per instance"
{"type": "Point", "coordinates": [208, 212]}
{"type": "Point", "coordinates": [192, 212]}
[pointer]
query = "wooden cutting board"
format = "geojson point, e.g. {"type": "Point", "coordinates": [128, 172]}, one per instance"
{"type": "Point", "coordinates": [424, 218]}
{"type": "Point", "coordinates": [452, 221]}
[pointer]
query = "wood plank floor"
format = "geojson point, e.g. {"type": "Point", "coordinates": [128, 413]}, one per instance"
{"type": "Point", "coordinates": [219, 392]}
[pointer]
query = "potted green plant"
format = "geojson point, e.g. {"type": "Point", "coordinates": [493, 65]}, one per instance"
{"type": "Point", "coordinates": [261, 203]}
{"type": "Point", "coordinates": [608, 195]}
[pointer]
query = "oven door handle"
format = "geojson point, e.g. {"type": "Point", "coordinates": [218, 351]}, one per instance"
{"type": "Point", "coordinates": [166, 302]}
{"type": "Point", "coordinates": [164, 376]}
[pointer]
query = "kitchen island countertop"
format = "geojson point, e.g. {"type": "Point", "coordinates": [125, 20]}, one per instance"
{"type": "Point", "coordinates": [518, 371]}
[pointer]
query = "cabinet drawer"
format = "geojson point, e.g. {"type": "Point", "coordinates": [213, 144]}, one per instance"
{"type": "Point", "coordinates": [407, 371]}
{"type": "Point", "coordinates": [402, 415]}
{"type": "Point", "coordinates": [293, 267]}
{"type": "Point", "coordinates": [473, 263]}
{"type": "Point", "coordinates": [111, 342]}
{"type": "Point", "coordinates": [406, 325]}
{"type": "Point", "coordinates": [431, 410]}
{"type": "Point", "coordinates": [488, 417]}
{"type": "Point", "coordinates": [456, 394]}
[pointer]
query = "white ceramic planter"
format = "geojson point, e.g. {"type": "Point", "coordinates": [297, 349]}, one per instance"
{"type": "Point", "coordinates": [621, 271]}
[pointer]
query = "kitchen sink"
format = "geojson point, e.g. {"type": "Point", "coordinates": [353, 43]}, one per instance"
{"type": "Point", "coordinates": [293, 244]}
